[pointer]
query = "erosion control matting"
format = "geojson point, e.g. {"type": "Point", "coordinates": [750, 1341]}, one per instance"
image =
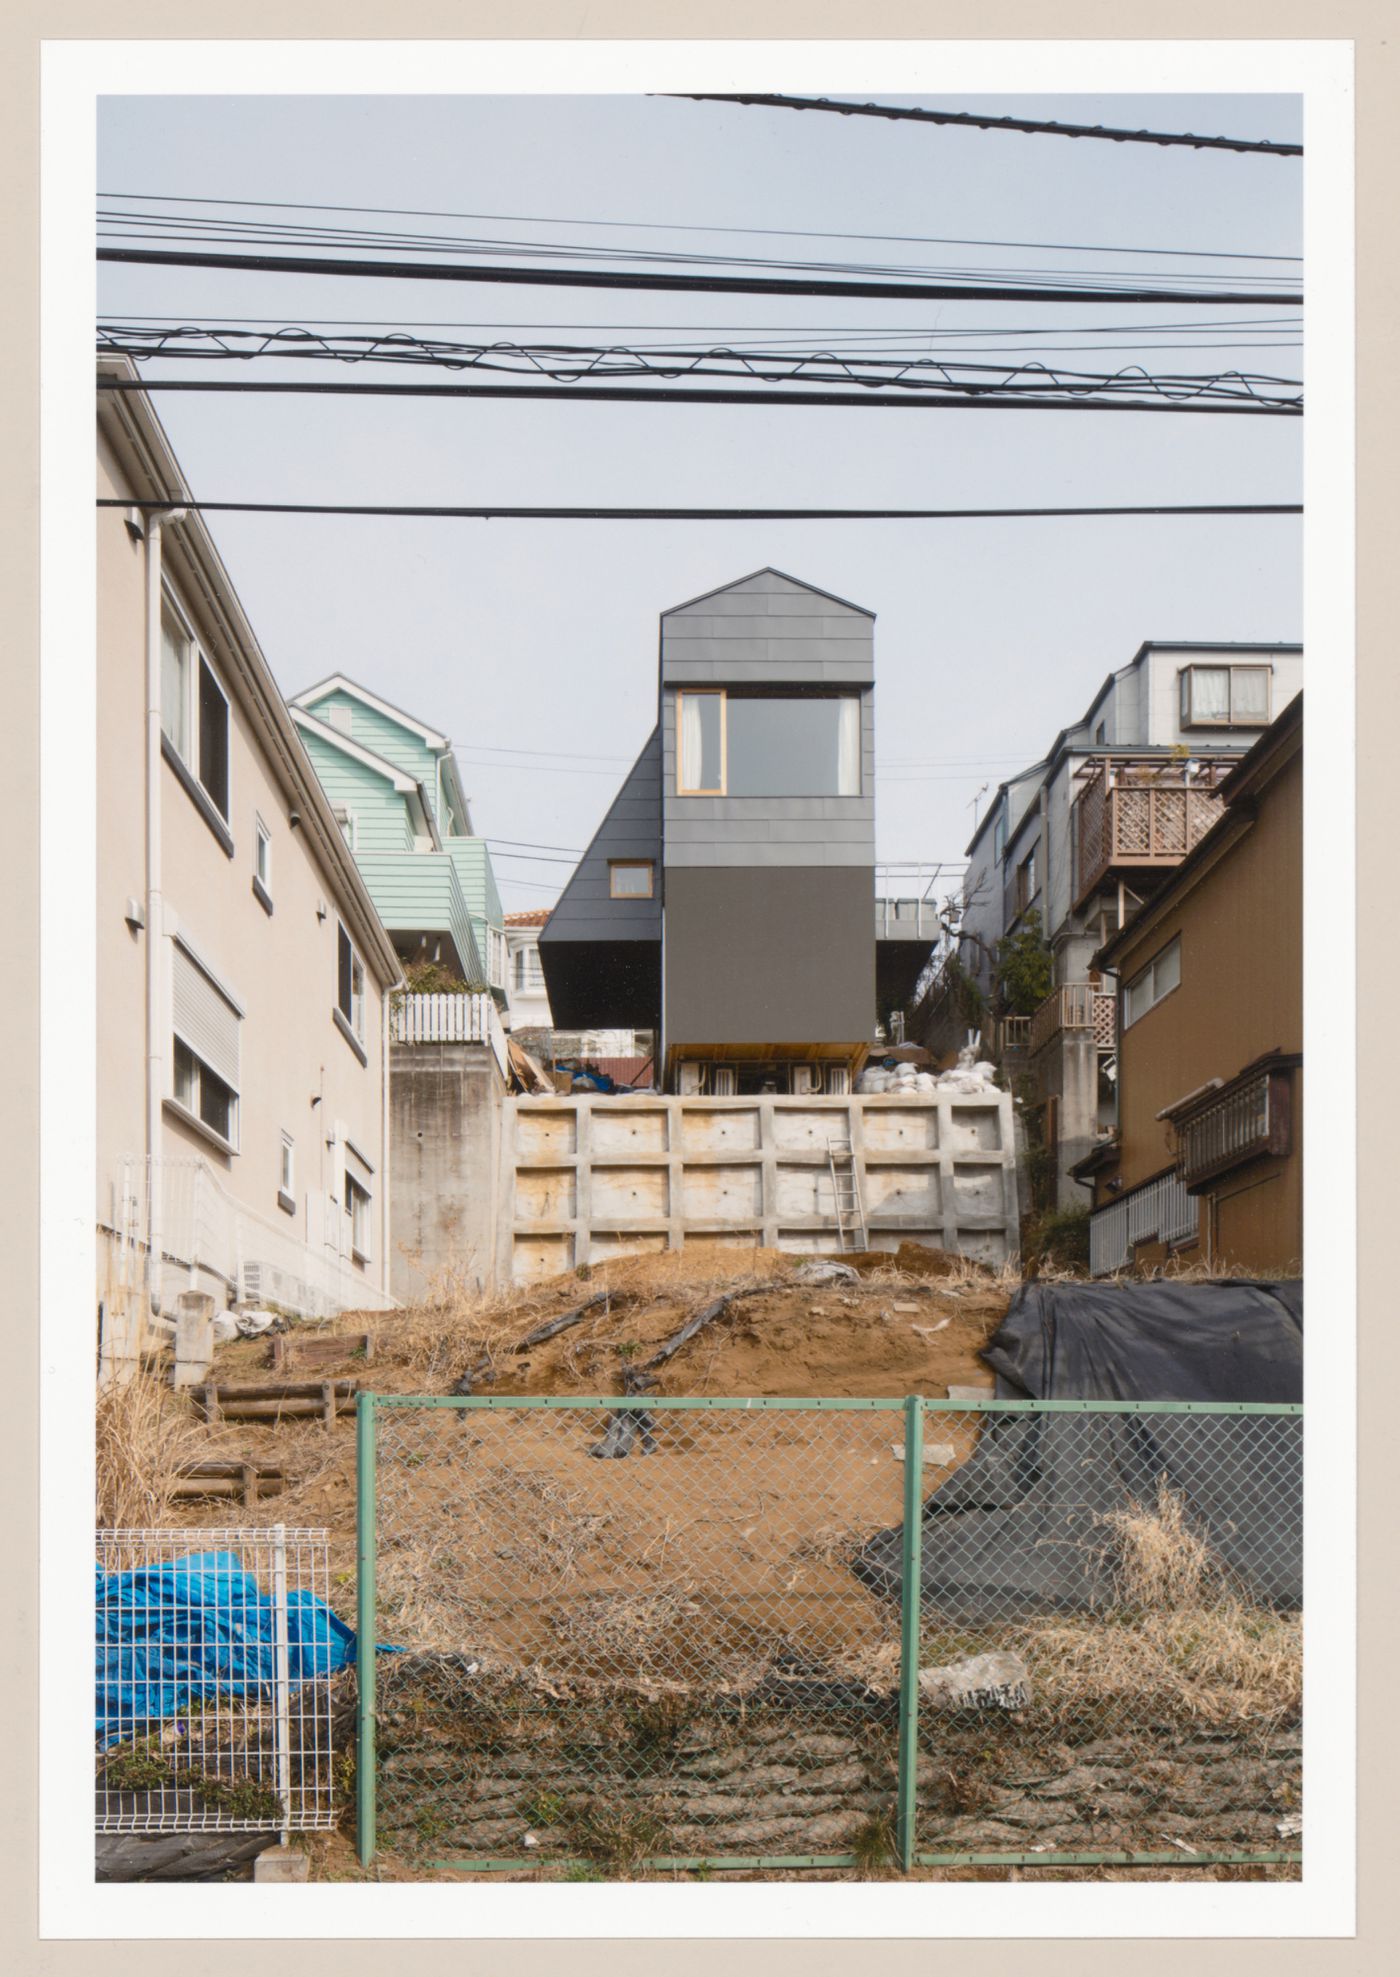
{"type": "Point", "coordinates": [1022, 1525]}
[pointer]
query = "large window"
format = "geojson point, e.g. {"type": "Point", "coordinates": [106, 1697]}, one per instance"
{"type": "Point", "coordinates": [1224, 696]}
{"type": "Point", "coordinates": [734, 744]}
{"type": "Point", "coordinates": [207, 1028]}
{"type": "Point", "coordinates": [1161, 975]}
{"type": "Point", "coordinates": [194, 713]}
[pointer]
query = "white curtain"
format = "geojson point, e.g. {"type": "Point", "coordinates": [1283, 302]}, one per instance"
{"type": "Point", "coordinates": [848, 748]}
{"type": "Point", "coordinates": [691, 747]}
{"type": "Point", "coordinates": [1210, 693]}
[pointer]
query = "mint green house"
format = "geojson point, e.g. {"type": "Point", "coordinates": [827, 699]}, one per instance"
{"type": "Point", "coordinates": [393, 784]}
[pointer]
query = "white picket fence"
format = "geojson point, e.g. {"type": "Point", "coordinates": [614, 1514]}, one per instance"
{"type": "Point", "coordinates": [469, 1018]}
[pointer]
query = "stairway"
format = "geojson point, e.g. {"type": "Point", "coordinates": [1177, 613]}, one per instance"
{"type": "Point", "coordinates": [851, 1232]}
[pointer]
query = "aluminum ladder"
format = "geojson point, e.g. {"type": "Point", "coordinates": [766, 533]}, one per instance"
{"type": "Point", "coordinates": [851, 1232]}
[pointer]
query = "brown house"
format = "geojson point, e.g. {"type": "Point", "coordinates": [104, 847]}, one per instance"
{"type": "Point", "coordinates": [1206, 1159]}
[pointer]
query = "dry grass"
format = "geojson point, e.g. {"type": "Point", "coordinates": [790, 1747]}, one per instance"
{"type": "Point", "coordinates": [1159, 1561]}
{"type": "Point", "coordinates": [145, 1436]}
{"type": "Point", "coordinates": [1216, 1664]}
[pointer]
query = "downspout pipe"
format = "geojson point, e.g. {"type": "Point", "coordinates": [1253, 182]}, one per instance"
{"type": "Point", "coordinates": [154, 904]}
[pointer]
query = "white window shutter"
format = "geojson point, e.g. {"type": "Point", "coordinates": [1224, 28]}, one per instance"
{"type": "Point", "coordinates": [204, 1018]}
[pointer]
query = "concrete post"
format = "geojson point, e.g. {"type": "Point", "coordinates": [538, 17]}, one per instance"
{"type": "Point", "coordinates": [194, 1338]}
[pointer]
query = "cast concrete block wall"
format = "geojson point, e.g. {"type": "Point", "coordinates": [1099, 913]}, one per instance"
{"type": "Point", "coordinates": [589, 1178]}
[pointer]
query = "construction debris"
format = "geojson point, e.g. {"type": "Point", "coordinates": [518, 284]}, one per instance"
{"type": "Point", "coordinates": [983, 1681]}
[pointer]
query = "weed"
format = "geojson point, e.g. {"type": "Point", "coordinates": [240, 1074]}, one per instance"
{"type": "Point", "coordinates": [658, 1726]}
{"type": "Point", "coordinates": [615, 1837]}
{"type": "Point", "coordinates": [873, 1845]}
{"type": "Point", "coordinates": [583, 1870]}
{"type": "Point", "coordinates": [241, 1798]}
{"type": "Point", "coordinates": [544, 1809]}
{"type": "Point", "coordinates": [429, 1823]}
{"type": "Point", "coordinates": [139, 1767]}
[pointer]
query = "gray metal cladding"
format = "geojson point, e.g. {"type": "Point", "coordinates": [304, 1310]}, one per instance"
{"type": "Point", "coordinates": [631, 829]}
{"type": "Point", "coordinates": [780, 954]}
{"type": "Point", "coordinates": [767, 629]}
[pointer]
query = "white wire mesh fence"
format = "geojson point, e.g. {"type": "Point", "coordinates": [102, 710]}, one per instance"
{"type": "Point", "coordinates": [798, 1633]}
{"type": "Point", "coordinates": [216, 1692]}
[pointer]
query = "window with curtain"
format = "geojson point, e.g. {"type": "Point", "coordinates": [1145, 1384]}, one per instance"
{"type": "Point", "coordinates": [775, 745]}
{"type": "Point", "coordinates": [1224, 696]}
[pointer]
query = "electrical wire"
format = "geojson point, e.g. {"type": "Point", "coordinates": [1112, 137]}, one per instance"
{"type": "Point", "coordinates": [680, 226]}
{"type": "Point", "coordinates": [671, 283]}
{"type": "Point", "coordinates": [1033, 126]}
{"type": "Point", "coordinates": [987, 399]}
{"type": "Point", "coordinates": [513, 514]}
{"type": "Point", "coordinates": [574, 362]}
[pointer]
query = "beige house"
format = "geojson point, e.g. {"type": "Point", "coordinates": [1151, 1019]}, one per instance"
{"type": "Point", "coordinates": [243, 974]}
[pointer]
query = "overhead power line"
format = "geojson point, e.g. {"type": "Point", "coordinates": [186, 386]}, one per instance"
{"type": "Point", "coordinates": [681, 226]}
{"type": "Point", "coordinates": [653, 279]}
{"type": "Point", "coordinates": [969, 119]}
{"type": "Point", "coordinates": [513, 514]}
{"type": "Point", "coordinates": [986, 400]}
{"type": "Point", "coordinates": [575, 363]}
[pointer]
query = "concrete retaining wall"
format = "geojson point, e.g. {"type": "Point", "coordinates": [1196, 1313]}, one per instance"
{"type": "Point", "coordinates": [589, 1178]}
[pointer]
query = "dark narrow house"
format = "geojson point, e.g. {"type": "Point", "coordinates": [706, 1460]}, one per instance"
{"type": "Point", "coordinates": [728, 897]}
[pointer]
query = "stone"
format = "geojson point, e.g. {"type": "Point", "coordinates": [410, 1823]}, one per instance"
{"type": "Point", "coordinates": [940, 1454]}
{"type": "Point", "coordinates": [282, 1863]}
{"type": "Point", "coordinates": [982, 1681]}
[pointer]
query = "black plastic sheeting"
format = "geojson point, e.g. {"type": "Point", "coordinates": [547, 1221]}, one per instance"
{"type": "Point", "coordinates": [1019, 1527]}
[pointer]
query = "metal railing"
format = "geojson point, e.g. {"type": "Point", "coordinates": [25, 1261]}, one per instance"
{"type": "Point", "coordinates": [214, 1689]}
{"type": "Point", "coordinates": [1159, 1211]}
{"type": "Point", "coordinates": [464, 1018]}
{"type": "Point", "coordinates": [658, 1633]}
{"type": "Point", "coordinates": [1076, 1006]}
{"type": "Point", "coordinates": [211, 1241]}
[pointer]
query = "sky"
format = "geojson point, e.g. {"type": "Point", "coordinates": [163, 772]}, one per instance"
{"type": "Point", "coordinates": [534, 644]}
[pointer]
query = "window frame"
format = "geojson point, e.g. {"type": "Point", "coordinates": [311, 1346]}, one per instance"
{"type": "Point", "coordinates": [702, 693]}
{"type": "Point", "coordinates": [1027, 880]}
{"type": "Point", "coordinates": [287, 1176]}
{"type": "Point", "coordinates": [1146, 973]}
{"type": "Point", "coordinates": [188, 1105]}
{"type": "Point", "coordinates": [351, 1022]}
{"type": "Point", "coordinates": [724, 696]}
{"type": "Point", "coordinates": [358, 1203]}
{"type": "Point", "coordinates": [647, 865]}
{"type": "Point", "coordinates": [525, 962]}
{"type": "Point", "coordinates": [1186, 712]}
{"type": "Point", "coordinates": [186, 761]}
{"type": "Point", "coordinates": [262, 863]}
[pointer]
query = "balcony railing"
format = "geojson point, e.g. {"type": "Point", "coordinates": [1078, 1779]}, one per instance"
{"type": "Point", "coordinates": [1076, 1006]}
{"type": "Point", "coordinates": [1137, 816]}
{"type": "Point", "coordinates": [470, 1018]}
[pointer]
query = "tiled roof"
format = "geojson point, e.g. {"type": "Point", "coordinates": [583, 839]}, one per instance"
{"type": "Point", "coordinates": [536, 917]}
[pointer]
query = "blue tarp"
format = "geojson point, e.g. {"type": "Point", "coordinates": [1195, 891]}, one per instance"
{"type": "Point", "coordinates": [169, 1636]}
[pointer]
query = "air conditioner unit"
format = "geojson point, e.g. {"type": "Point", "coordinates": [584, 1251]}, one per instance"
{"type": "Point", "coordinates": [688, 1080]}
{"type": "Point", "coordinates": [806, 1079]}
{"type": "Point", "coordinates": [724, 1081]}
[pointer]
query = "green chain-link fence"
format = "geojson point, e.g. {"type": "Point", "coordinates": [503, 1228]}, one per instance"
{"type": "Point", "coordinates": [765, 1634]}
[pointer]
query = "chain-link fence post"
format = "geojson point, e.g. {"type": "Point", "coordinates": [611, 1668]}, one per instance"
{"type": "Point", "coordinates": [910, 1591]}
{"type": "Point", "coordinates": [366, 1757]}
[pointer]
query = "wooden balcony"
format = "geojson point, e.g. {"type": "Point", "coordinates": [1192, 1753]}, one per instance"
{"type": "Point", "coordinates": [1135, 817]}
{"type": "Point", "coordinates": [1076, 1006]}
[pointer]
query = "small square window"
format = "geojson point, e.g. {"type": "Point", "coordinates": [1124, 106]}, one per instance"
{"type": "Point", "coordinates": [631, 878]}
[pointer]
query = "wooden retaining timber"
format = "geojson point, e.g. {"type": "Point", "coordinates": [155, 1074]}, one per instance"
{"type": "Point", "coordinates": [290, 1401]}
{"type": "Point", "coordinates": [285, 1354]}
{"type": "Point", "coordinates": [248, 1481]}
